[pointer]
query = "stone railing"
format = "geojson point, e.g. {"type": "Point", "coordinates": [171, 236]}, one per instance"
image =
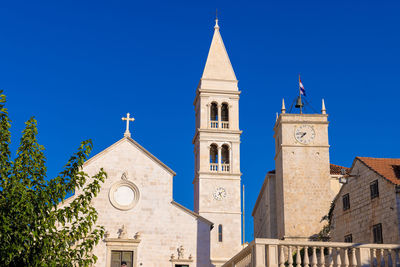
{"type": "Point", "coordinates": [225, 124]}
{"type": "Point", "coordinates": [290, 253]}
{"type": "Point", "coordinates": [214, 167]}
{"type": "Point", "coordinates": [214, 124]}
{"type": "Point", "coordinates": [225, 167]}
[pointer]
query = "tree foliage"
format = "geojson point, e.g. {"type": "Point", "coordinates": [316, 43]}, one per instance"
{"type": "Point", "coordinates": [36, 227]}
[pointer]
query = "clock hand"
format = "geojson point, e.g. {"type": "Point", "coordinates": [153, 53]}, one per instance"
{"type": "Point", "coordinates": [303, 134]}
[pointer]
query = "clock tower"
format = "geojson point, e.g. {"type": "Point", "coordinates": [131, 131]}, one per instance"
{"type": "Point", "coordinates": [217, 152]}
{"type": "Point", "coordinates": [302, 173]}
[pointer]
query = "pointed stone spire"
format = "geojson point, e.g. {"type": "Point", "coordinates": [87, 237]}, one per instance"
{"type": "Point", "coordinates": [323, 110]}
{"type": "Point", "coordinates": [218, 66]}
{"type": "Point", "coordinates": [277, 116]}
{"type": "Point", "coordinates": [283, 110]}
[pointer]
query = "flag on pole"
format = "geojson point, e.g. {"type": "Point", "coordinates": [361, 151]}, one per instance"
{"type": "Point", "coordinates": [302, 90]}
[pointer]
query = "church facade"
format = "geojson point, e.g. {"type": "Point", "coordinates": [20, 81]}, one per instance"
{"type": "Point", "coordinates": [144, 225]}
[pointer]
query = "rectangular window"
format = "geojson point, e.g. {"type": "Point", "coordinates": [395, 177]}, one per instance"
{"type": "Point", "coordinates": [377, 232]}
{"type": "Point", "coordinates": [346, 202]}
{"type": "Point", "coordinates": [348, 238]}
{"type": "Point", "coordinates": [374, 189]}
{"type": "Point", "coordinates": [181, 265]}
{"type": "Point", "coordinates": [220, 233]}
{"type": "Point", "coordinates": [118, 258]}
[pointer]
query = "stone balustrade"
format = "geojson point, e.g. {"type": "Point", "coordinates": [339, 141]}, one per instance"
{"type": "Point", "coordinates": [225, 125]}
{"type": "Point", "coordinates": [214, 124]}
{"type": "Point", "coordinates": [225, 167]}
{"type": "Point", "coordinates": [292, 253]}
{"type": "Point", "coordinates": [214, 167]}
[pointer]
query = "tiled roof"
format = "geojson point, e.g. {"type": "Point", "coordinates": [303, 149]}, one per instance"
{"type": "Point", "coordinates": [388, 168]}
{"type": "Point", "coordinates": [336, 169]}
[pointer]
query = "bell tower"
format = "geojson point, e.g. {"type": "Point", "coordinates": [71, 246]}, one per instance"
{"type": "Point", "coordinates": [303, 193]}
{"type": "Point", "coordinates": [217, 152]}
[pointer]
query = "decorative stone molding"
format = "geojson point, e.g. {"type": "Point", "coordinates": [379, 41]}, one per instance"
{"type": "Point", "coordinates": [124, 195]}
{"type": "Point", "coordinates": [181, 257]}
{"type": "Point", "coordinates": [121, 244]}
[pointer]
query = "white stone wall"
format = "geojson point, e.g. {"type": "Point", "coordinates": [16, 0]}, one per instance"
{"type": "Point", "coordinates": [163, 226]}
{"type": "Point", "coordinates": [365, 212]}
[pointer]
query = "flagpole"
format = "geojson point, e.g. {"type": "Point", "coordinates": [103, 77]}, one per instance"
{"type": "Point", "coordinates": [301, 106]}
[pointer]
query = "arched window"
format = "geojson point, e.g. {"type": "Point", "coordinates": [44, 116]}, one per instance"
{"type": "Point", "coordinates": [220, 233]}
{"type": "Point", "coordinates": [225, 154]}
{"type": "Point", "coordinates": [213, 157]}
{"type": "Point", "coordinates": [214, 112]}
{"type": "Point", "coordinates": [224, 112]}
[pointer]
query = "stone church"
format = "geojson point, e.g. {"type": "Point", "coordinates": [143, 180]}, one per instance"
{"type": "Point", "coordinates": [144, 225]}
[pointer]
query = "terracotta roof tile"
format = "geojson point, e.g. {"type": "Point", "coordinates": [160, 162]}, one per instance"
{"type": "Point", "coordinates": [336, 169]}
{"type": "Point", "coordinates": [388, 168]}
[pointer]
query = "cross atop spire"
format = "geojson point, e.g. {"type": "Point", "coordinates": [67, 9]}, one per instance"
{"type": "Point", "coordinates": [127, 119]}
{"type": "Point", "coordinates": [216, 19]}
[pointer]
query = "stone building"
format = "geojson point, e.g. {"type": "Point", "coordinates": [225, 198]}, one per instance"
{"type": "Point", "coordinates": [367, 208]}
{"type": "Point", "coordinates": [144, 225]}
{"type": "Point", "coordinates": [298, 193]}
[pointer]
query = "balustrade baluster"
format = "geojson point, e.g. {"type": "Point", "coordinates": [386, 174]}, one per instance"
{"type": "Point", "coordinates": [373, 257]}
{"type": "Point", "coordinates": [389, 258]}
{"type": "Point", "coordinates": [290, 257]}
{"type": "Point", "coordinates": [330, 258]}
{"type": "Point", "coordinates": [385, 257]}
{"type": "Point", "coordinates": [346, 258]}
{"type": "Point", "coordinates": [382, 257]}
{"type": "Point", "coordinates": [338, 259]}
{"type": "Point", "coordinates": [353, 257]}
{"type": "Point", "coordinates": [298, 258]}
{"type": "Point", "coordinates": [314, 257]}
{"type": "Point", "coordinates": [322, 257]}
{"type": "Point", "coordinates": [306, 261]}
{"type": "Point", "coordinates": [281, 257]}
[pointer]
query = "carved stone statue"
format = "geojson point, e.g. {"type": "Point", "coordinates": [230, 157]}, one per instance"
{"type": "Point", "coordinates": [106, 234]}
{"type": "Point", "coordinates": [181, 252]}
{"type": "Point", "coordinates": [122, 232]}
{"type": "Point", "coordinates": [137, 235]}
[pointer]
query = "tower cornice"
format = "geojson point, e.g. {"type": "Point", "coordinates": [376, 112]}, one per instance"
{"type": "Point", "coordinates": [224, 131]}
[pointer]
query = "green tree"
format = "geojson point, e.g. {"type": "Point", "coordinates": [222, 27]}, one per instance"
{"type": "Point", "coordinates": [36, 227]}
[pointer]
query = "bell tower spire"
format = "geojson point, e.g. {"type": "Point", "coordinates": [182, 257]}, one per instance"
{"type": "Point", "coordinates": [217, 189]}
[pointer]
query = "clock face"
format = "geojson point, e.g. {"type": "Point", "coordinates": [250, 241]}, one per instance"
{"type": "Point", "coordinates": [219, 193]}
{"type": "Point", "coordinates": [304, 134]}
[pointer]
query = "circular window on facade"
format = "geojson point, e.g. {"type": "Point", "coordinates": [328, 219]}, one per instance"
{"type": "Point", "coordinates": [124, 195]}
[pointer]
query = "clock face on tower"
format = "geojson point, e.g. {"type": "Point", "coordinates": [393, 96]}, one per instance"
{"type": "Point", "coordinates": [304, 134]}
{"type": "Point", "coordinates": [219, 193]}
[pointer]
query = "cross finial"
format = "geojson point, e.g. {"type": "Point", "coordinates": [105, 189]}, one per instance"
{"type": "Point", "coordinates": [127, 119]}
{"type": "Point", "coordinates": [216, 19]}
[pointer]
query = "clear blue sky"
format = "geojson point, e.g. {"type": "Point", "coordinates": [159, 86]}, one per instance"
{"type": "Point", "coordinates": [79, 67]}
